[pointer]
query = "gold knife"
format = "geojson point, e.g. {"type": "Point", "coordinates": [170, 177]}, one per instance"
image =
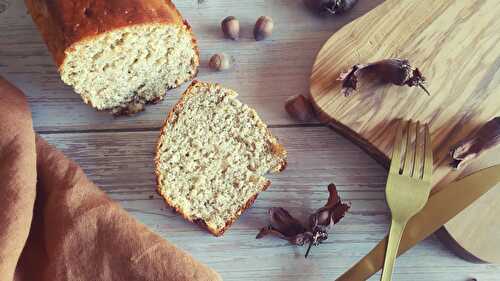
{"type": "Point", "coordinates": [442, 206]}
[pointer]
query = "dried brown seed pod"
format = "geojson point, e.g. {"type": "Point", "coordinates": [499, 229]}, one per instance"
{"type": "Point", "coordinates": [263, 28]}
{"type": "Point", "coordinates": [333, 211]}
{"type": "Point", "coordinates": [485, 138]}
{"type": "Point", "coordinates": [219, 62]}
{"type": "Point", "coordinates": [300, 108]}
{"type": "Point", "coordinates": [330, 7]}
{"type": "Point", "coordinates": [4, 5]}
{"type": "Point", "coordinates": [396, 71]}
{"type": "Point", "coordinates": [231, 28]}
{"type": "Point", "coordinates": [285, 226]}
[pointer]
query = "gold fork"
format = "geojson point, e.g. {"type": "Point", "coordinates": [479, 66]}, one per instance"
{"type": "Point", "coordinates": [408, 183]}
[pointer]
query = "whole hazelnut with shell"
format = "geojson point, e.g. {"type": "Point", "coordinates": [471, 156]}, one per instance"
{"type": "Point", "coordinates": [219, 62]}
{"type": "Point", "coordinates": [231, 28]}
{"type": "Point", "coordinates": [263, 28]}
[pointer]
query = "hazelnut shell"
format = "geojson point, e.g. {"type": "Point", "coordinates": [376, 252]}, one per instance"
{"type": "Point", "coordinates": [219, 62]}
{"type": "Point", "coordinates": [263, 28]}
{"type": "Point", "coordinates": [231, 28]}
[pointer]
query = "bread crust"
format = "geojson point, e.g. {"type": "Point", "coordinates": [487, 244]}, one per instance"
{"type": "Point", "coordinates": [64, 23]}
{"type": "Point", "coordinates": [278, 150]}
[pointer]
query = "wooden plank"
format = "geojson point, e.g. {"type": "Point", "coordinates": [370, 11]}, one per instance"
{"type": "Point", "coordinates": [438, 37]}
{"type": "Point", "coordinates": [121, 163]}
{"type": "Point", "coordinates": [478, 235]}
{"type": "Point", "coordinates": [457, 106]}
{"type": "Point", "coordinates": [265, 73]}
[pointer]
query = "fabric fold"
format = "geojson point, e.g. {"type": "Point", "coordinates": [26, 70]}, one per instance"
{"type": "Point", "coordinates": [73, 230]}
{"type": "Point", "coordinates": [17, 176]}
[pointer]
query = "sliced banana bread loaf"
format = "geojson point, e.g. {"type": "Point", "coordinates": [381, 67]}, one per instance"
{"type": "Point", "coordinates": [117, 54]}
{"type": "Point", "coordinates": [212, 155]}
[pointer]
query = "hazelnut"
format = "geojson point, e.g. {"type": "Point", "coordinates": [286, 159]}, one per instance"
{"type": "Point", "coordinates": [219, 62]}
{"type": "Point", "coordinates": [263, 28]}
{"type": "Point", "coordinates": [231, 28]}
{"type": "Point", "coordinates": [300, 108]}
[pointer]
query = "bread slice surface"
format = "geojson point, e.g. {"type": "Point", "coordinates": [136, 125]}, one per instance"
{"type": "Point", "coordinates": [212, 155]}
{"type": "Point", "coordinates": [124, 69]}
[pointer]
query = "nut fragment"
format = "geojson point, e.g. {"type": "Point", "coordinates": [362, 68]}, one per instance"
{"type": "Point", "coordinates": [300, 108]}
{"type": "Point", "coordinates": [263, 28]}
{"type": "Point", "coordinates": [219, 62]}
{"type": "Point", "coordinates": [231, 28]}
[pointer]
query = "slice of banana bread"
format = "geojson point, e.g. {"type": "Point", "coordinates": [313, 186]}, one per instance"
{"type": "Point", "coordinates": [211, 157]}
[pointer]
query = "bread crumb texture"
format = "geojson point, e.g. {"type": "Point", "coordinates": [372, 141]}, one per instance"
{"type": "Point", "coordinates": [123, 69]}
{"type": "Point", "coordinates": [212, 155]}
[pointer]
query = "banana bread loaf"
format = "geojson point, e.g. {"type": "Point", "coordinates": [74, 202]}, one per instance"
{"type": "Point", "coordinates": [117, 54]}
{"type": "Point", "coordinates": [212, 155]}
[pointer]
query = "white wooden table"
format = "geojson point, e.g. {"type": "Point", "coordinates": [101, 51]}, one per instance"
{"type": "Point", "coordinates": [117, 153]}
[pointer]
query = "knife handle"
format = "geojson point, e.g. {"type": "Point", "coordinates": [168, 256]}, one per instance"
{"type": "Point", "coordinates": [441, 207]}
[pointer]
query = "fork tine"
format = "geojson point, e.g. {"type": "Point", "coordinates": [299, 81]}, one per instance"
{"type": "Point", "coordinates": [419, 162]}
{"type": "Point", "coordinates": [428, 161]}
{"type": "Point", "coordinates": [396, 151]}
{"type": "Point", "coordinates": [410, 150]}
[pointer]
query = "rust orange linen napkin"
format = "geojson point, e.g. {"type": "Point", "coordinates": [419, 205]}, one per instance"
{"type": "Point", "coordinates": [56, 225]}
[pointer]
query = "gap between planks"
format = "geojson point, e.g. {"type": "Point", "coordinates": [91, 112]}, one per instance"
{"type": "Point", "coordinates": [157, 129]}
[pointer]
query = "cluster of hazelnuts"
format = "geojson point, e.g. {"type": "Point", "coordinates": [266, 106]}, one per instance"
{"type": "Point", "coordinates": [299, 107]}
{"type": "Point", "coordinates": [231, 29]}
{"type": "Point", "coordinates": [263, 28]}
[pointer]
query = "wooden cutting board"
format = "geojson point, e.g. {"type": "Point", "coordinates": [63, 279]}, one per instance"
{"type": "Point", "coordinates": [456, 44]}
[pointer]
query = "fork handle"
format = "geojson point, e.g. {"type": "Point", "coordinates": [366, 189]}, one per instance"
{"type": "Point", "coordinates": [395, 235]}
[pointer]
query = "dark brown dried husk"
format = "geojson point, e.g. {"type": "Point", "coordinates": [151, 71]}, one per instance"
{"type": "Point", "coordinates": [285, 226]}
{"type": "Point", "coordinates": [330, 7]}
{"type": "Point", "coordinates": [472, 147]}
{"type": "Point", "coordinates": [333, 211]}
{"type": "Point", "coordinates": [396, 71]}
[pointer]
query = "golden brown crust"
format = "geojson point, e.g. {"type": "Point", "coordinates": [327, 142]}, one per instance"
{"type": "Point", "coordinates": [64, 23]}
{"type": "Point", "coordinates": [247, 205]}
{"type": "Point", "coordinates": [201, 222]}
{"type": "Point", "coordinates": [277, 150]}
{"type": "Point", "coordinates": [280, 152]}
{"type": "Point", "coordinates": [282, 166]}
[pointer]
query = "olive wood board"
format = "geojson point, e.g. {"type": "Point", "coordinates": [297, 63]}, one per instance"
{"type": "Point", "coordinates": [456, 45]}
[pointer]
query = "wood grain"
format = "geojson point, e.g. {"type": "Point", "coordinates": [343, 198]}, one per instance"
{"type": "Point", "coordinates": [121, 164]}
{"type": "Point", "coordinates": [476, 230]}
{"type": "Point", "coordinates": [436, 36]}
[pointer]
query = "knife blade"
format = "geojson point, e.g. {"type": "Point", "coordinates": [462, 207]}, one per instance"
{"type": "Point", "coordinates": [442, 206]}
